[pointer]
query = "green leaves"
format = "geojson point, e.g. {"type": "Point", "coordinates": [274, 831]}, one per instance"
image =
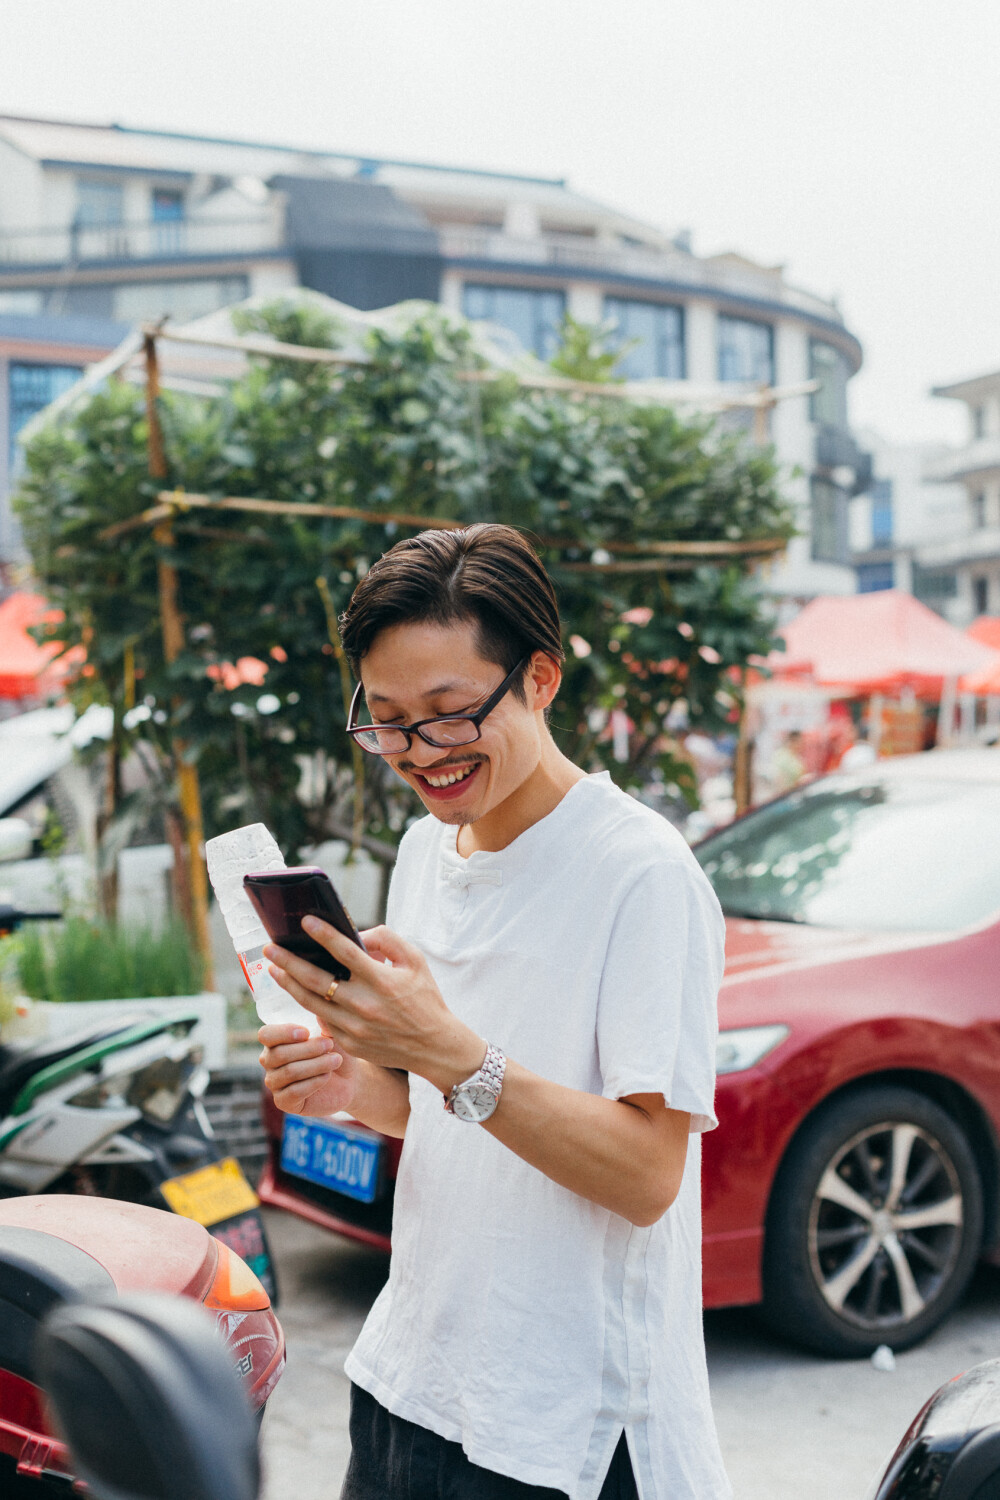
{"type": "Point", "coordinates": [408, 432]}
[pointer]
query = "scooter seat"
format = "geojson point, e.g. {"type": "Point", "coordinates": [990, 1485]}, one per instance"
{"type": "Point", "coordinates": [38, 1270]}
{"type": "Point", "coordinates": [19, 1064]}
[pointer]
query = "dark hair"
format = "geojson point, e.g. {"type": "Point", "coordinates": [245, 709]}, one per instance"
{"type": "Point", "coordinates": [485, 573]}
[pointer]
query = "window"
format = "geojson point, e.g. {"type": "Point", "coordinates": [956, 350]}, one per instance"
{"type": "Point", "coordinates": [23, 302]}
{"type": "Point", "coordinates": [656, 332]}
{"type": "Point", "coordinates": [181, 300]}
{"type": "Point", "coordinates": [828, 528]}
{"type": "Point", "coordinates": [933, 588]}
{"type": "Point", "coordinates": [168, 219]}
{"type": "Point", "coordinates": [978, 422]}
{"type": "Point", "coordinates": [828, 404]}
{"type": "Point", "coordinates": [873, 577]}
{"type": "Point", "coordinates": [881, 498]}
{"type": "Point", "coordinates": [98, 204]}
{"type": "Point", "coordinates": [32, 388]}
{"type": "Point", "coordinates": [979, 509]}
{"type": "Point", "coordinates": [746, 350]}
{"type": "Point", "coordinates": [981, 596]}
{"type": "Point", "coordinates": [532, 316]}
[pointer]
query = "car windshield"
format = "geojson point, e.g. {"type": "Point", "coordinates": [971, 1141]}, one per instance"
{"type": "Point", "coordinates": [894, 853]}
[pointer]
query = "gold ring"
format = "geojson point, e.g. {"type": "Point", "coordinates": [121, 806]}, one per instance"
{"type": "Point", "coordinates": [334, 985]}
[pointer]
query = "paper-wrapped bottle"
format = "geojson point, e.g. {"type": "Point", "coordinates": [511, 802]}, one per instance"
{"type": "Point", "coordinates": [229, 857]}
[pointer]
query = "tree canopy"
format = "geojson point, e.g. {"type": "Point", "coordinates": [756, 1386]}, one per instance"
{"type": "Point", "coordinates": [408, 431]}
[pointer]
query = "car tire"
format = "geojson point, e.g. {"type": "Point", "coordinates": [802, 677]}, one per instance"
{"type": "Point", "coordinates": [874, 1225]}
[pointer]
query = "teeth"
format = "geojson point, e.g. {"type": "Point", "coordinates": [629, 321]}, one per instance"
{"type": "Point", "coordinates": [450, 778]}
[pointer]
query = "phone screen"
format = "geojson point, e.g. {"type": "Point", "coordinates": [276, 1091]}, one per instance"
{"type": "Point", "coordinates": [282, 898]}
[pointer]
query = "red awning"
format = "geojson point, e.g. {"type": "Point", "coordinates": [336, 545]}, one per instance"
{"type": "Point", "coordinates": [27, 669]}
{"type": "Point", "coordinates": [985, 630]}
{"type": "Point", "coordinates": [879, 643]}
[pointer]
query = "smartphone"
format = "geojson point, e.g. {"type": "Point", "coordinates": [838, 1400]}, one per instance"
{"type": "Point", "coordinates": [282, 898]}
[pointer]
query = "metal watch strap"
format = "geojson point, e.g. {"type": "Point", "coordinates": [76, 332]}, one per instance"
{"type": "Point", "coordinates": [490, 1075]}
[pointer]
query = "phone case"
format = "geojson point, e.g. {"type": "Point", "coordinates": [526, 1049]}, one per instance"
{"type": "Point", "coordinates": [282, 898]}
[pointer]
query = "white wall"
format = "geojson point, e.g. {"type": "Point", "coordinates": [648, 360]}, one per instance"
{"type": "Point", "coordinates": [20, 190]}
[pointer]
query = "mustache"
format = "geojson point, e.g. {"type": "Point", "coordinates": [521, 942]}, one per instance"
{"type": "Point", "coordinates": [435, 770]}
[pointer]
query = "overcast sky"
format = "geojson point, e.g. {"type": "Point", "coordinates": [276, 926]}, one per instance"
{"type": "Point", "coordinates": [855, 141]}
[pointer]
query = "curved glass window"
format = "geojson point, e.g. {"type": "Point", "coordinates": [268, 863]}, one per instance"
{"type": "Point", "coordinates": [655, 331]}
{"type": "Point", "coordinates": [886, 853]}
{"type": "Point", "coordinates": [532, 316]}
{"type": "Point", "coordinates": [746, 350]}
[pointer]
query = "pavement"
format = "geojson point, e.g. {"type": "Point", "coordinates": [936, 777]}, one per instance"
{"type": "Point", "coordinates": [793, 1426]}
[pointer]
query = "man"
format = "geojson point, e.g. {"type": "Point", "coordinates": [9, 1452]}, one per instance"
{"type": "Point", "coordinates": [537, 1020]}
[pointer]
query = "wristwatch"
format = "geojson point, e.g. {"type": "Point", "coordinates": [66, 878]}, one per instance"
{"type": "Point", "coordinates": [477, 1098]}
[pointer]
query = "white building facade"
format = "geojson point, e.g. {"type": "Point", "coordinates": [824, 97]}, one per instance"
{"type": "Point", "coordinates": [116, 226]}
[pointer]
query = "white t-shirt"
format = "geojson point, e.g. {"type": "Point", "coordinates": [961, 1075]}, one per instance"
{"type": "Point", "coordinates": [519, 1319]}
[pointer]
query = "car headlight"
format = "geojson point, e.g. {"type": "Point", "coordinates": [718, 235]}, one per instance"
{"type": "Point", "coordinates": [744, 1048]}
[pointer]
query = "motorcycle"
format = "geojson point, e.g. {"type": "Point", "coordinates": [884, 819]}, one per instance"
{"type": "Point", "coordinates": [100, 1378]}
{"type": "Point", "coordinates": [142, 1390]}
{"type": "Point", "coordinates": [64, 1252]}
{"type": "Point", "coordinates": [116, 1111]}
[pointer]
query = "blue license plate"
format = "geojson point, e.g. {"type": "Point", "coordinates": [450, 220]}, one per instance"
{"type": "Point", "coordinates": [334, 1156]}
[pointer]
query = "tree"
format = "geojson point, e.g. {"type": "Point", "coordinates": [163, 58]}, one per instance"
{"type": "Point", "coordinates": [410, 432]}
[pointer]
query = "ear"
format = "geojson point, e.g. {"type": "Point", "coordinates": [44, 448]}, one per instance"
{"type": "Point", "coordinates": [542, 681]}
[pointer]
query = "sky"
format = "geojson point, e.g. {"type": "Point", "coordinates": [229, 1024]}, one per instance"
{"type": "Point", "coordinates": [853, 141]}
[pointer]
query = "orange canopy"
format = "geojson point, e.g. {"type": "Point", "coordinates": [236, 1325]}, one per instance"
{"type": "Point", "coordinates": [27, 669]}
{"type": "Point", "coordinates": [879, 643]}
{"type": "Point", "coordinates": [986, 684]}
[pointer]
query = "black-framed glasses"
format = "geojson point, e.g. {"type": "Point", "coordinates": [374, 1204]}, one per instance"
{"type": "Point", "coordinates": [443, 732]}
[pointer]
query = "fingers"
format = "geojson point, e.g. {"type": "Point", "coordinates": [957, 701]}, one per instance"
{"type": "Point", "coordinates": [275, 1035]}
{"type": "Point", "coordinates": [275, 1055]}
{"type": "Point", "coordinates": [314, 1070]}
{"type": "Point", "coordinates": [382, 943]}
{"type": "Point", "coordinates": [310, 976]}
{"type": "Point", "coordinates": [350, 955]}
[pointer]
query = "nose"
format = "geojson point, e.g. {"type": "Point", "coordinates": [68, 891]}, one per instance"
{"type": "Point", "coordinates": [422, 754]}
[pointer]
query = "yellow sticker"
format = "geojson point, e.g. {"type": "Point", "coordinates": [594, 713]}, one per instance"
{"type": "Point", "coordinates": [211, 1194]}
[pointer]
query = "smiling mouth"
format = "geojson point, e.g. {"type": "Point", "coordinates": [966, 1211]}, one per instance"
{"type": "Point", "coordinates": [449, 781]}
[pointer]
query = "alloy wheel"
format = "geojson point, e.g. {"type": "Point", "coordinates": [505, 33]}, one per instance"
{"type": "Point", "coordinates": [885, 1226]}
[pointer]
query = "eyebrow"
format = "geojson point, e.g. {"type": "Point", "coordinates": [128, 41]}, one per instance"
{"type": "Point", "coordinates": [434, 692]}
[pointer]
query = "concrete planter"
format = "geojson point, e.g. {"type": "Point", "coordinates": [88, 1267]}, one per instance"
{"type": "Point", "coordinates": [38, 1019]}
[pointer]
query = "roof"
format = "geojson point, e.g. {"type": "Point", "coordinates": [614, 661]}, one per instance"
{"type": "Point", "coordinates": [975, 389]}
{"type": "Point", "coordinates": [168, 150]}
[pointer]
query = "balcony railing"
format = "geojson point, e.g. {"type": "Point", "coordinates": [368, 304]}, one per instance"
{"type": "Point", "coordinates": [76, 245]}
{"type": "Point", "coordinates": [587, 253]}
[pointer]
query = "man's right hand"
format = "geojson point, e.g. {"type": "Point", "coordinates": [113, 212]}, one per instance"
{"type": "Point", "coordinates": [306, 1075]}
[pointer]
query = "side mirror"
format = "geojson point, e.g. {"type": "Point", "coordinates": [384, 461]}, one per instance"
{"type": "Point", "coordinates": [952, 1449]}
{"type": "Point", "coordinates": [147, 1400]}
{"type": "Point", "coordinates": [16, 840]}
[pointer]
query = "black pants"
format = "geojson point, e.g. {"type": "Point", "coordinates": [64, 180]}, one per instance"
{"type": "Point", "coordinates": [392, 1459]}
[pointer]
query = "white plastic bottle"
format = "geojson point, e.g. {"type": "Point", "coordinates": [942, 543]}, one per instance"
{"type": "Point", "coordinates": [229, 857]}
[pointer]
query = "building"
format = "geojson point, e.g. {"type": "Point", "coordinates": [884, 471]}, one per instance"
{"type": "Point", "coordinates": [116, 225]}
{"type": "Point", "coordinates": [965, 565]}
{"type": "Point", "coordinates": [900, 516]}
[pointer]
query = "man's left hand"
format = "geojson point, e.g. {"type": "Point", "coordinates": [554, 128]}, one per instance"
{"type": "Point", "coordinates": [390, 1013]}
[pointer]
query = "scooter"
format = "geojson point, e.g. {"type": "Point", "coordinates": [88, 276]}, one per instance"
{"type": "Point", "coordinates": [136, 1367]}
{"type": "Point", "coordinates": [116, 1111]}
{"type": "Point", "coordinates": [65, 1252]}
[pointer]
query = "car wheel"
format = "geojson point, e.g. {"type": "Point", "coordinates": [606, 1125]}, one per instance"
{"type": "Point", "coordinates": [874, 1226]}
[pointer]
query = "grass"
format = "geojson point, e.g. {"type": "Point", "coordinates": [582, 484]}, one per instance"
{"type": "Point", "coordinates": [84, 960]}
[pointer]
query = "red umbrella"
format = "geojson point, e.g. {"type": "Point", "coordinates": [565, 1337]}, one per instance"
{"type": "Point", "coordinates": [986, 684]}
{"type": "Point", "coordinates": [27, 669]}
{"type": "Point", "coordinates": [880, 643]}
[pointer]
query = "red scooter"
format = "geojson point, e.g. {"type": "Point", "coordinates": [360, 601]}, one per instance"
{"type": "Point", "coordinates": [62, 1251]}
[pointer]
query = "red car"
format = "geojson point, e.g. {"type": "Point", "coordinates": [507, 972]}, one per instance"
{"type": "Point", "coordinates": [854, 1180]}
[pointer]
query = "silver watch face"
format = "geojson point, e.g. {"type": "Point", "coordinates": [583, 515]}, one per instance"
{"type": "Point", "coordinates": [474, 1103]}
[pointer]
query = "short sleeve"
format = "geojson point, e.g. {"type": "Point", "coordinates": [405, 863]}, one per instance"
{"type": "Point", "coordinates": [657, 1016]}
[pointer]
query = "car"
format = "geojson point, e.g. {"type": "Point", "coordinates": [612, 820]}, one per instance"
{"type": "Point", "coordinates": [854, 1181]}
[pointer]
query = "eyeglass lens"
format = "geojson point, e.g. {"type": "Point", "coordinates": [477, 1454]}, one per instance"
{"type": "Point", "coordinates": [391, 741]}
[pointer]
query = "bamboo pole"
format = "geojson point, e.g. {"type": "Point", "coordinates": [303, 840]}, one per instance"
{"type": "Point", "coordinates": [180, 500]}
{"type": "Point", "coordinates": [173, 644]}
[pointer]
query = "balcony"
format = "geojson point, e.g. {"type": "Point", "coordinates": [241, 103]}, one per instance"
{"type": "Point", "coordinates": [979, 457]}
{"type": "Point", "coordinates": [581, 252]}
{"type": "Point", "coordinates": [24, 250]}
